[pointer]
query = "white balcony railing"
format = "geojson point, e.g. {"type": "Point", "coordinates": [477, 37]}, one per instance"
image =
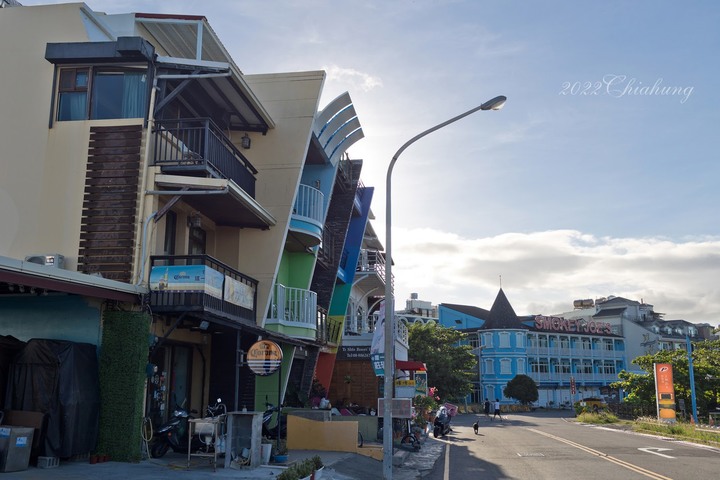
{"type": "Point", "coordinates": [309, 204]}
{"type": "Point", "coordinates": [294, 305]}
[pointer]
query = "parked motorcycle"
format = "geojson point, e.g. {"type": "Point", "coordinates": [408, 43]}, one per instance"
{"type": "Point", "coordinates": [174, 433]}
{"type": "Point", "coordinates": [271, 432]}
{"type": "Point", "coordinates": [441, 425]}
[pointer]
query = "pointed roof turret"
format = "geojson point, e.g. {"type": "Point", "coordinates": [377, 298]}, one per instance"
{"type": "Point", "coordinates": [502, 315]}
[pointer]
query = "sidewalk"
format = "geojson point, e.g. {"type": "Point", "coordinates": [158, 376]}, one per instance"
{"type": "Point", "coordinates": [338, 466]}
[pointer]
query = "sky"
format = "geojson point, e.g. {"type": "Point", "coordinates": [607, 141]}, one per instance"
{"type": "Point", "coordinates": [599, 177]}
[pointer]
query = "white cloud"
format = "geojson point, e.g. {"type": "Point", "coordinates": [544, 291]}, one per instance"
{"type": "Point", "coordinates": [353, 78]}
{"type": "Point", "coordinates": [543, 272]}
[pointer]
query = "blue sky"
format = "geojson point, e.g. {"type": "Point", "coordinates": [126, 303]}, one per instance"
{"type": "Point", "coordinates": [585, 185]}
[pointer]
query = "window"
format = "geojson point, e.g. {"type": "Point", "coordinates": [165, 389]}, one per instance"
{"type": "Point", "coordinates": [504, 340]}
{"type": "Point", "coordinates": [489, 368]}
{"type": "Point", "coordinates": [197, 241]}
{"type": "Point", "coordinates": [505, 366]}
{"type": "Point", "coordinates": [539, 366]}
{"type": "Point", "coordinates": [170, 228]}
{"type": "Point", "coordinates": [112, 92]}
{"type": "Point", "coordinates": [487, 339]}
{"type": "Point", "coordinates": [519, 340]}
{"type": "Point", "coordinates": [521, 366]}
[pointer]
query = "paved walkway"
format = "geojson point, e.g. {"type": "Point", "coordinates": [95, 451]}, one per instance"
{"type": "Point", "coordinates": [338, 466]}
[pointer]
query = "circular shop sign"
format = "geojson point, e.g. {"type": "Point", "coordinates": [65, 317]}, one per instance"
{"type": "Point", "coordinates": [264, 357]}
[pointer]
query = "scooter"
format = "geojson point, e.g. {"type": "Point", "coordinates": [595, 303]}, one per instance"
{"type": "Point", "coordinates": [441, 425]}
{"type": "Point", "coordinates": [174, 433]}
{"type": "Point", "coordinates": [272, 432]}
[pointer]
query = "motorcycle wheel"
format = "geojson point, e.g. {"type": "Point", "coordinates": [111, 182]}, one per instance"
{"type": "Point", "coordinates": [159, 449]}
{"type": "Point", "coordinates": [436, 432]}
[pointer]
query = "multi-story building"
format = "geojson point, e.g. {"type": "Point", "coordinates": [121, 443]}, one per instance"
{"type": "Point", "coordinates": [147, 181]}
{"type": "Point", "coordinates": [568, 359]}
{"type": "Point", "coordinates": [644, 330]}
{"type": "Point", "coordinates": [572, 355]}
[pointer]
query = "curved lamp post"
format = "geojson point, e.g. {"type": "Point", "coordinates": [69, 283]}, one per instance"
{"type": "Point", "coordinates": [389, 332]}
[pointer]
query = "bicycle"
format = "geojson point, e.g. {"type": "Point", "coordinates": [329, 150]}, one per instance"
{"type": "Point", "coordinates": [410, 441]}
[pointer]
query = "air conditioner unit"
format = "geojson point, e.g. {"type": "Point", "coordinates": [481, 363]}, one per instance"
{"type": "Point", "coordinates": [50, 260]}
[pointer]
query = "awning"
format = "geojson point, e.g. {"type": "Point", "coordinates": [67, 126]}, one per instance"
{"type": "Point", "coordinates": [409, 365]}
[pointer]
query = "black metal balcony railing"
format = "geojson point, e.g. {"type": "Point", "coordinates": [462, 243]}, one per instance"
{"type": "Point", "coordinates": [169, 300]}
{"type": "Point", "coordinates": [196, 146]}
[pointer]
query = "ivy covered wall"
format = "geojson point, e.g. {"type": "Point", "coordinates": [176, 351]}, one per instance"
{"type": "Point", "coordinates": [123, 362]}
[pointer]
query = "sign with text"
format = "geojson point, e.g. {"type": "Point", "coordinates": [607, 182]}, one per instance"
{"type": "Point", "coordinates": [664, 392]}
{"type": "Point", "coordinates": [264, 357]}
{"type": "Point", "coordinates": [572, 325]}
{"type": "Point", "coordinates": [405, 388]}
{"type": "Point", "coordinates": [352, 352]}
{"type": "Point", "coordinates": [401, 407]}
{"type": "Point", "coordinates": [421, 386]}
{"type": "Point", "coordinates": [187, 278]}
{"type": "Point", "coordinates": [377, 348]}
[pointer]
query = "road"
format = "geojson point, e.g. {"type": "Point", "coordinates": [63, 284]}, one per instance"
{"type": "Point", "coordinates": [544, 445]}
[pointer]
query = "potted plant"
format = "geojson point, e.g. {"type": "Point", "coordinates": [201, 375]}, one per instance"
{"type": "Point", "coordinates": [281, 452]}
{"type": "Point", "coordinates": [290, 473]}
{"type": "Point", "coordinates": [305, 469]}
{"type": "Point", "coordinates": [318, 466]}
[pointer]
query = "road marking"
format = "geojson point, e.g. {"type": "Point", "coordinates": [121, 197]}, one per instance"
{"type": "Point", "coordinates": [656, 452]}
{"type": "Point", "coordinates": [446, 472]}
{"type": "Point", "coordinates": [605, 456]}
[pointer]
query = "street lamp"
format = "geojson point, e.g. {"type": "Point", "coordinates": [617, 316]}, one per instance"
{"type": "Point", "coordinates": [389, 332]}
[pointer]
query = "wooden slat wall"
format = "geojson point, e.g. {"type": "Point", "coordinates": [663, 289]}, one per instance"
{"type": "Point", "coordinates": [109, 216]}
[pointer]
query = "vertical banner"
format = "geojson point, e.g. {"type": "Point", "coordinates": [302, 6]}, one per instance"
{"type": "Point", "coordinates": [664, 392]}
{"type": "Point", "coordinates": [421, 386]}
{"type": "Point", "coordinates": [377, 348]}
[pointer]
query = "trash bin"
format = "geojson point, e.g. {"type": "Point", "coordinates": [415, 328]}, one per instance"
{"type": "Point", "coordinates": [266, 452]}
{"type": "Point", "coordinates": [15, 446]}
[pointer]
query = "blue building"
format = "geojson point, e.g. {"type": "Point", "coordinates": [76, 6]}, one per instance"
{"type": "Point", "coordinates": [569, 359]}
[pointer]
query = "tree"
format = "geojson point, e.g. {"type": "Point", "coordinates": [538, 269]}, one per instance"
{"type": "Point", "coordinates": [522, 388]}
{"type": "Point", "coordinates": [706, 367]}
{"type": "Point", "coordinates": [451, 366]}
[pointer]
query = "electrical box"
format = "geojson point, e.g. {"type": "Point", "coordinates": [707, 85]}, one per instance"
{"type": "Point", "coordinates": [15, 446]}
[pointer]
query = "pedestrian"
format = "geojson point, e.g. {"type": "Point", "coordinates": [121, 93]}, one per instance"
{"type": "Point", "coordinates": [496, 406]}
{"type": "Point", "coordinates": [487, 408]}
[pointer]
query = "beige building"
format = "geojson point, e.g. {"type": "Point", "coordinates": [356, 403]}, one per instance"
{"type": "Point", "coordinates": [145, 181]}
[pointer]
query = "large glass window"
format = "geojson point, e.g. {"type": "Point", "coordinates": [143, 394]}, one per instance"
{"type": "Point", "coordinates": [101, 93]}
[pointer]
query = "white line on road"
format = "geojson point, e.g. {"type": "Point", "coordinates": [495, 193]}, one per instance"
{"type": "Point", "coordinates": [605, 456]}
{"type": "Point", "coordinates": [446, 472]}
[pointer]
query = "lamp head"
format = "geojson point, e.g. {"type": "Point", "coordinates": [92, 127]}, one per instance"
{"type": "Point", "coordinates": [494, 104]}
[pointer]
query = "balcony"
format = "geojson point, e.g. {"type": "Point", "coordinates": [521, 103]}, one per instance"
{"type": "Point", "coordinates": [306, 223]}
{"type": "Point", "coordinates": [329, 330]}
{"type": "Point", "coordinates": [293, 311]}
{"type": "Point", "coordinates": [358, 327]}
{"type": "Point", "coordinates": [370, 269]}
{"type": "Point", "coordinates": [197, 147]}
{"type": "Point", "coordinates": [203, 285]}
{"type": "Point", "coordinates": [200, 163]}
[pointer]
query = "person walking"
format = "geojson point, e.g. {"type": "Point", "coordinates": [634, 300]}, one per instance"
{"type": "Point", "coordinates": [496, 407]}
{"type": "Point", "coordinates": [487, 408]}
